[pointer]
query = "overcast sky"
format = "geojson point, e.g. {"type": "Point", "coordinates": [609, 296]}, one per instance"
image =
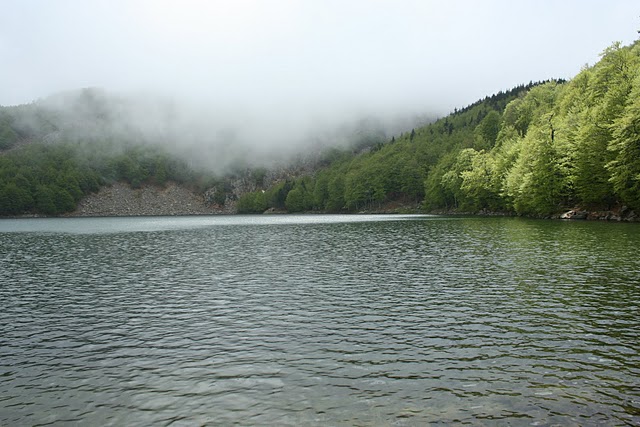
{"type": "Point", "coordinates": [293, 58]}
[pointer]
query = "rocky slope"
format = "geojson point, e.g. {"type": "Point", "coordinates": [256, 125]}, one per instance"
{"type": "Point", "coordinates": [121, 200]}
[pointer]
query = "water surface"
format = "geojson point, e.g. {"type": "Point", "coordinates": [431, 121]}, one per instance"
{"type": "Point", "coordinates": [319, 320]}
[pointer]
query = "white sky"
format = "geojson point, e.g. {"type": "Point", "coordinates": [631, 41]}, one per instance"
{"type": "Point", "coordinates": [293, 58]}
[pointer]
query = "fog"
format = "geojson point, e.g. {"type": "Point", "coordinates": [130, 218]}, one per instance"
{"type": "Point", "coordinates": [210, 138]}
{"type": "Point", "coordinates": [265, 77]}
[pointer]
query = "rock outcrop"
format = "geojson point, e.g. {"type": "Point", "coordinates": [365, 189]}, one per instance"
{"type": "Point", "coordinates": [574, 214]}
{"type": "Point", "coordinates": [618, 214]}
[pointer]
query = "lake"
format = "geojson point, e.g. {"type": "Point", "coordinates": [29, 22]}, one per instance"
{"type": "Point", "coordinates": [319, 320]}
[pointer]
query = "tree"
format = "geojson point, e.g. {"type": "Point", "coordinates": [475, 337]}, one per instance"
{"type": "Point", "coordinates": [276, 196]}
{"type": "Point", "coordinates": [69, 182]}
{"type": "Point", "coordinates": [625, 147]}
{"type": "Point", "coordinates": [486, 133]}
{"type": "Point", "coordinates": [63, 200]}
{"type": "Point", "coordinates": [254, 202]}
{"type": "Point", "coordinates": [436, 193]}
{"type": "Point", "coordinates": [45, 200]}
{"type": "Point", "coordinates": [8, 137]}
{"type": "Point", "coordinates": [411, 180]}
{"type": "Point", "coordinates": [335, 196]}
{"type": "Point", "coordinates": [14, 200]}
{"type": "Point", "coordinates": [321, 190]}
{"type": "Point", "coordinates": [295, 200]}
{"type": "Point", "coordinates": [481, 184]}
{"type": "Point", "coordinates": [161, 174]}
{"type": "Point", "coordinates": [260, 202]}
{"type": "Point", "coordinates": [537, 183]}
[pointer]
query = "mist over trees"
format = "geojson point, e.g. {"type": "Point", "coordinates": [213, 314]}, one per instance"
{"type": "Point", "coordinates": [106, 138]}
{"type": "Point", "coordinates": [391, 171]}
{"type": "Point", "coordinates": [535, 150]}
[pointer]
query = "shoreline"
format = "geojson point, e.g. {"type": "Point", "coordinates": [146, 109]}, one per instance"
{"type": "Point", "coordinates": [602, 216]}
{"type": "Point", "coordinates": [120, 200]}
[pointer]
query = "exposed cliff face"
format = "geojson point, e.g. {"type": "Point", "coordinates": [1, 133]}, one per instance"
{"type": "Point", "coordinates": [121, 200]}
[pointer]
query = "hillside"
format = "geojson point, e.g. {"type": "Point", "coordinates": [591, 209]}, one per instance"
{"type": "Point", "coordinates": [392, 171]}
{"type": "Point", "coordinates": [535, 150]}
{"type": "Point", "coordinates": [56, 152]}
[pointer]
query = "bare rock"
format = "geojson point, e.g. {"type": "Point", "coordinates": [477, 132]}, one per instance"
{"type": "Point", "coordinates": [120, 199]}
{"type": "Point", "coordinates": [574, 214]}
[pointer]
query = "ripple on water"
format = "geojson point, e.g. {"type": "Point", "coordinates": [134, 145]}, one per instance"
{"type": "Point", "coordinates": [319, 321]}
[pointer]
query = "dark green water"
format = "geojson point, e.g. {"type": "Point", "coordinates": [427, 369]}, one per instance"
{"type": "Point", "coordinates": [319, 320]}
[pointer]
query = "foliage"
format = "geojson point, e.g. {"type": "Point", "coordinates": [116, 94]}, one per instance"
{"type": "Point", "coordinates": [533, 150]}
{"type": "Point", "coordinates": [50, 157]}
{"type": "Point", "coordinates": [397, 170]}
{"type": "Point", "coordinates": [624, 168]}
{"type": "Point", "coordinates": [255, 202]}
{"type": "Point", "coordinates": [46, 179]}
{"type": "Point", "coordinates": [558, 145]}
{"type": "Point", "coordinates": [8, 135]}
{"type": "Point", "coordinates": [52, 178]}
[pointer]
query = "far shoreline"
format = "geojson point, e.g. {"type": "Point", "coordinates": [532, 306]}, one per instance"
{"type": "Point", "coordinates": [613, 216]}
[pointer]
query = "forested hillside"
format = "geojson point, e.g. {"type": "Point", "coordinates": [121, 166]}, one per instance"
{"type": "Point", "coordinates": [391, 171]}
{"type": "Point", "coordinates": [51, 179]}
{"type": "Point", "coordinates": [55, 152]}
{"type": "Point", "coordinates": [534, 150]}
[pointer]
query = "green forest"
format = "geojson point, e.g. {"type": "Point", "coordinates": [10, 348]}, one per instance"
{"type": "Point", "coordinates": [47, 169]}
{"type": "Point", "coordinates": [535, 150]}
{"type": "Point", "coordinates": [51, 179]}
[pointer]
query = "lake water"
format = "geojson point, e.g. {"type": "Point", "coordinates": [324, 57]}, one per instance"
{"type": "Point", "coordinates": [319, 321]}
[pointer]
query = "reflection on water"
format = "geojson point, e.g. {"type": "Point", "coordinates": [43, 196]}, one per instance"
{"type": "Point", "coordinates": [318, 320]}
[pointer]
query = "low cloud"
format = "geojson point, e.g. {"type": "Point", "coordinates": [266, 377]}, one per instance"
{"type": "Point", "coordinates": [206, 136]}
{"type": "Point", "coordinates": [267, 79]}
